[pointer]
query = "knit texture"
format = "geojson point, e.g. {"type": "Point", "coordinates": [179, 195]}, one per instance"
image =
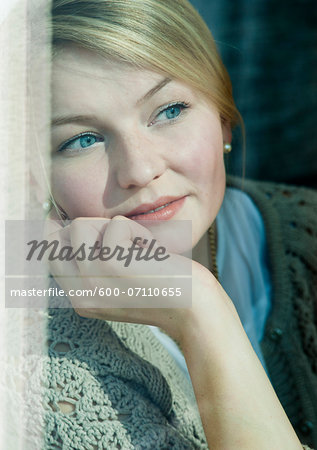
{"type": "Point", "coordinates": [116, 398]}
{"type": "Point", "coordinates": [122, 390]}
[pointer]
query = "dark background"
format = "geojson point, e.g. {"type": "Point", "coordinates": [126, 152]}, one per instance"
{"type": "Point", "coordinates": [270, 50]}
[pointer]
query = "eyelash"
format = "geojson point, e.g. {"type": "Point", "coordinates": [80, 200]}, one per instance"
{"type": "Point", "coordinates": [63, 146]}
{"type": "Point", "coordinates": [182, 104]}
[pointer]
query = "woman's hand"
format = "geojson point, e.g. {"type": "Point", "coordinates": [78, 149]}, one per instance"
{"type": "Point", "coordinates": [173, 277]}
{"type": "Point", "coordinates": [238, 406]}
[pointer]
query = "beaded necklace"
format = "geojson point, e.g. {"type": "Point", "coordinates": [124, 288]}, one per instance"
{"type": "Point", "coordinates": [213, 249]}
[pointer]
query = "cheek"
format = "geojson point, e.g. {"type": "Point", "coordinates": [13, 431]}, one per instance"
{"type": "Point", "coordinates": [201, 163]}
{"type": "Point", "coordinates": [200, 155]}
{"type": "Point", "coordinates": [76, 190]}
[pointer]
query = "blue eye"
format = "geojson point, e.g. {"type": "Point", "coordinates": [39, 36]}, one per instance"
{"type": "Point", "coordinates": [80, 142]}
{"type": "Point", "coordinates": [87, 141]}
{"type": "Point", "coordinates": [170, 112]}
{"type": "Point", "coordinates": [173, 111]}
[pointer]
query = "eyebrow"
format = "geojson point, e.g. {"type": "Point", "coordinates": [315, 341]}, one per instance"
{"type": "Point", "coordinates": [72, 119]}
{"type": "Point", "coordinates": [63, 120]}
{"type": "Point", "coordinates": [154, 90]}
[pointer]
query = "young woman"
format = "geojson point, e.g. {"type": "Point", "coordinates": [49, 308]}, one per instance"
{"type": "Point", "coordinates": [142, 112]}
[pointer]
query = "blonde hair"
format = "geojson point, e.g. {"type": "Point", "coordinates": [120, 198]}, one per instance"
{"type": "Point", "coordinates": [166, 36]}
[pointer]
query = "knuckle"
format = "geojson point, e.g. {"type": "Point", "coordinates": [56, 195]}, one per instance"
{"type": "Point", "coordinates": [119, 217]}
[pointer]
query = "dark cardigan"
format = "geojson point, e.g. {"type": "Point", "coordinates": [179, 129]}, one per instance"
{"type": "Point", "coordinates": [290, 342]}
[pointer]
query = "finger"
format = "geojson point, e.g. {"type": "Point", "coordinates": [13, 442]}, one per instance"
{"type": "Point", "coordinates": [86, 238]}
{"type": "Point", "coordinates": [128, 238]}
{"type": "Point", "coordinates": [62, 266]}
{"type": "Point", "coordinates": [136, 261]}
{"type": "Point", "coordinates": [59, 251]}
{"type": "Point", "coordinates": [123, 231]}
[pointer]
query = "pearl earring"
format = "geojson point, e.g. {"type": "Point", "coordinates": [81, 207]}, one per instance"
{"type": "Point", "coordinates": [227, 148]}
{"type": "Point", "coordinates": [47, 205]}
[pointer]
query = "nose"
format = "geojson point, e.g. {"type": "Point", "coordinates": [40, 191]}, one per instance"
{"type": "Point", "coordinates": [139, 161]}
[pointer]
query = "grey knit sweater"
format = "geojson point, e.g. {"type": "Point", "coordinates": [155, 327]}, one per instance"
{"type": "Point", "coordinates": [121, 388]}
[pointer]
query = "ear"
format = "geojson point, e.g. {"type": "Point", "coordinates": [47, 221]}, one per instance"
{"type": "Point", "coordinates": [226, 131]}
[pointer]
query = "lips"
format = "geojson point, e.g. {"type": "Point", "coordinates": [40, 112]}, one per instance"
{"type": "Point", "coordinates": [162, 209]}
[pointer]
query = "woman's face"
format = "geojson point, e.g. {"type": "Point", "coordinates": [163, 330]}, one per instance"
{"type": "Point", "coordinates": [123, 137]}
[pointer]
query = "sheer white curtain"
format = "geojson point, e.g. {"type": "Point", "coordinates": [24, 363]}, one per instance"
{"type": "Point", "coordinates": [24, 147]}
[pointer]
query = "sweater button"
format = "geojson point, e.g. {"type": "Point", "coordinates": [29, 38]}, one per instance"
{"type": "Point", "coordinates": [306, 427]}
{"type": "Point", "coordinates": [276, 334]}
